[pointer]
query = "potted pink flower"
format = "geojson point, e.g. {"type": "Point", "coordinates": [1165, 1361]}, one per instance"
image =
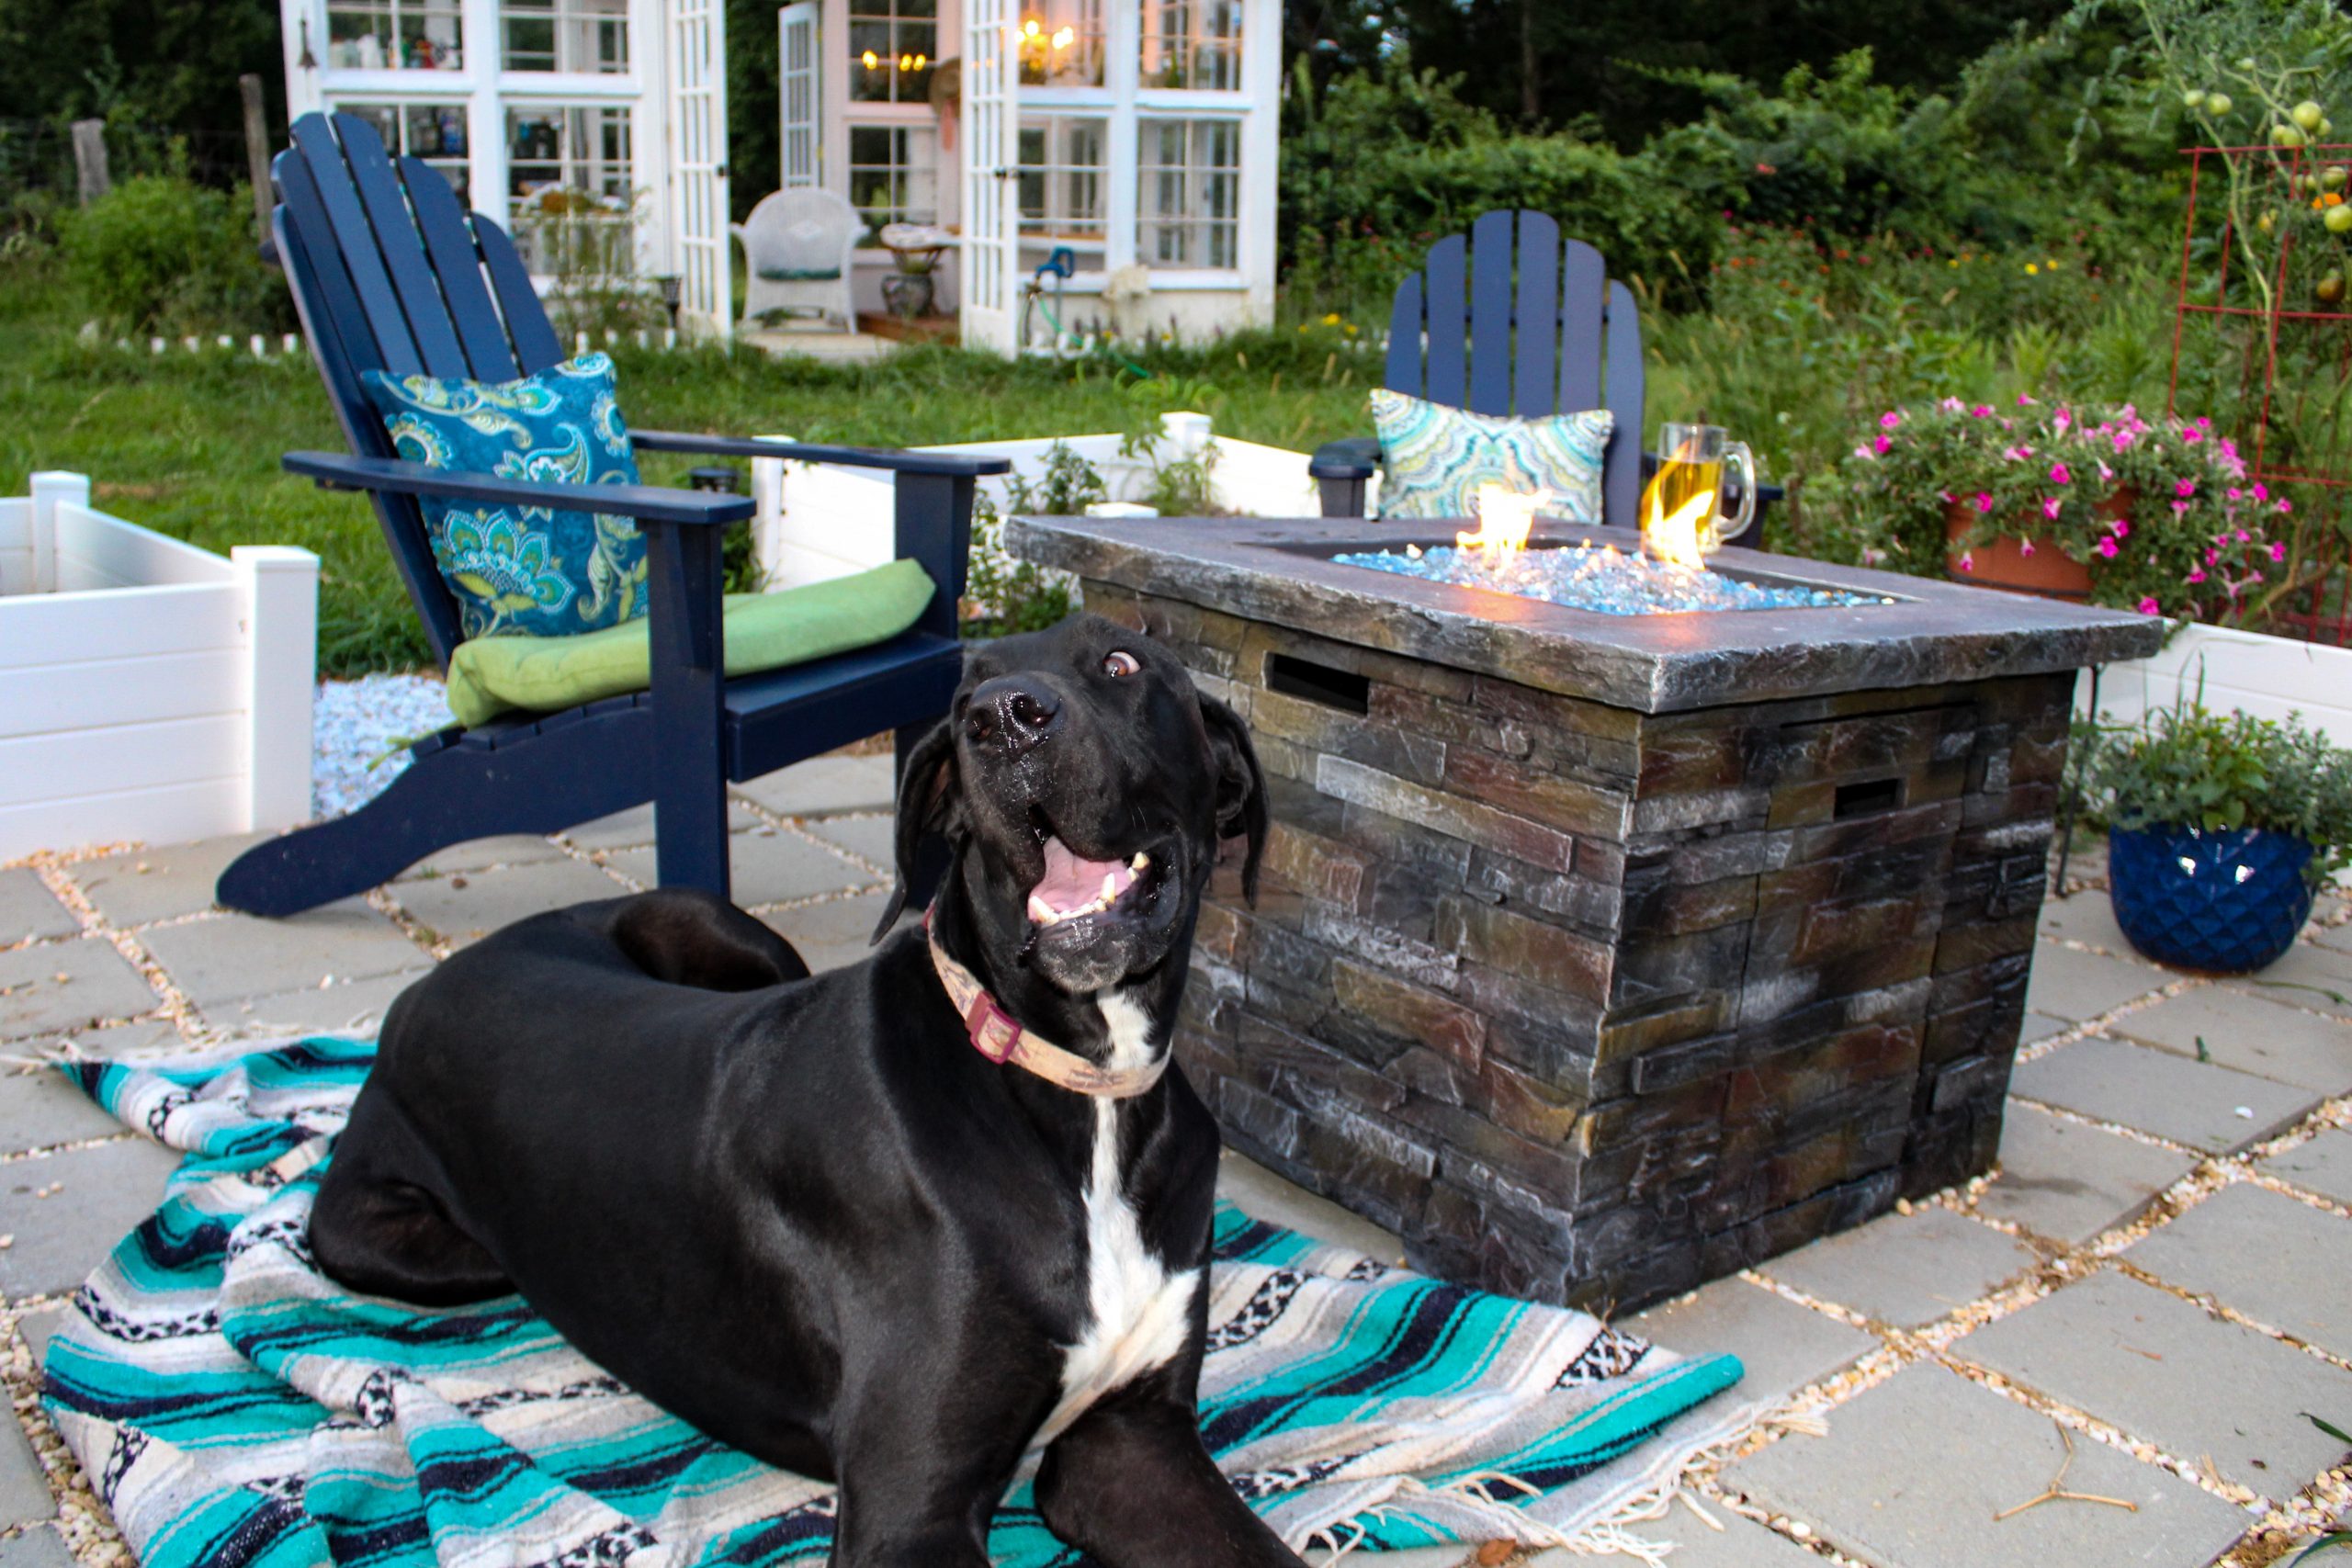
{"type": "Point", "coordinates": [2156, 515]}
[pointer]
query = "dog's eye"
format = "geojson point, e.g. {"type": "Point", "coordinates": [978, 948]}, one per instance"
{"type": "Point", "coordinates": [1119, 662]}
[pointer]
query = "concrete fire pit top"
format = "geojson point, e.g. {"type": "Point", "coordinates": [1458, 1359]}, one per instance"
{"type": "Point", "coordinates": [1279, 570]}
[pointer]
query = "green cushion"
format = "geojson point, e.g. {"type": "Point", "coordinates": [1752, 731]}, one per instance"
{"type": "Point", "coordinates": [765, 631]}
{"type": "Point", "coordinates": [799, 275]}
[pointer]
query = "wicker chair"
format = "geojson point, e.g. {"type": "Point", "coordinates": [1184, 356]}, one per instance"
{"type": "Point", "coordinates": [797, 245]}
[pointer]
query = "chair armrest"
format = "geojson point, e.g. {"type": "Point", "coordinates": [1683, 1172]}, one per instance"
{"type": "Point", "coordinates": [1351, 457]}
{"type": "Point", "coordinates": [645, 504]}
{"type": "Point", "coordinates": [803, 452]}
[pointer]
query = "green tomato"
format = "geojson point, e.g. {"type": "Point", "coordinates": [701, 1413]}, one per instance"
{"type": "Point", "coordinates": [2192, 100]}
{"type": "Point", "coordinates": [2246, 62]}
{"type": "Point", "coordinates": [2330, 289]}
{"type": "Point", "coordinates": [2338, 219]}
{"type": "Point", "coordinates": [2309, 115]}
{"type": "Point", "coordinates": [2286, 136]}
{"type": "Point", "coordinates": [2331, 179]}
{"type": "Point", "coordinates": [2266, 223]}
{"type": "Point", "coordinates": [2217, 104]}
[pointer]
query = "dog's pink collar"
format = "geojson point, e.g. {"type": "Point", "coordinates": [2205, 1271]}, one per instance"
{"type": "Point", "coordinates": [999, 1036]}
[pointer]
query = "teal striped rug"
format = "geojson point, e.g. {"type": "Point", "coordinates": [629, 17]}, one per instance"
{"type": "Point", "coordinates": [234, 1407]}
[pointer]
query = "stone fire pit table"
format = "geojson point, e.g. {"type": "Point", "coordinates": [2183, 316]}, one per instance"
{"type": "Point", "coordinates": [1601, 956]}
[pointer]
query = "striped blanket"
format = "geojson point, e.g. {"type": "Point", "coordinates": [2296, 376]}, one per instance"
{"type": "Point", "coordinates": [234, 1407]}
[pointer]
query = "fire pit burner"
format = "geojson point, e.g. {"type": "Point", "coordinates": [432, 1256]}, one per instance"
{"type": "Point", "coordinates": [1597, 955]}
{"type": "Point", "coordinates": [1602, 578]}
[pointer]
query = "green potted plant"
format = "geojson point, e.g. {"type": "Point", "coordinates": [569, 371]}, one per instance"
{"type": "Point", "coordinates": [2155, 515]}
{"type": "Point", "coordinates": [2221, 827]}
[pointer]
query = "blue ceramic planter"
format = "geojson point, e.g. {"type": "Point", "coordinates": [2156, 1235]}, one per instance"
{"type": "Point", "coordinates": [2226, 902]}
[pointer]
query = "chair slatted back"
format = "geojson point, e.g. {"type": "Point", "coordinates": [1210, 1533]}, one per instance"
{"type": "Point", "coordinates": [1509, 319]}
{"type": "Point", "coordinates": [389, 274]}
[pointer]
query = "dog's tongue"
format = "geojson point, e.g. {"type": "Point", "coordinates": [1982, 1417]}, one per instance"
{"type": "Point", "coordinates": [1072, 884]}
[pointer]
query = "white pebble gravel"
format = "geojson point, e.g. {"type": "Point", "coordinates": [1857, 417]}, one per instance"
{"type": "Point", "coordinates": [353, 723]}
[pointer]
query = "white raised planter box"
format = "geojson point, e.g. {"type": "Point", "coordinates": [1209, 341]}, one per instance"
{"type": "Point", "coordinates": [2268, 677]}
{"type": "Point", "coordinates": [148, 689]}
{"type": "Point", "coordinates": [825, 521]}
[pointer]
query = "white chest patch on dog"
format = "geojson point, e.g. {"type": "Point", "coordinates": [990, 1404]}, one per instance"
{"type": "Point", "coordinates": [1138, 1313]}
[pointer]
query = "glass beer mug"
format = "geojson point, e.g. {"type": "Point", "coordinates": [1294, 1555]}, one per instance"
{"type": "Point", "coordinates": [1692, 459]}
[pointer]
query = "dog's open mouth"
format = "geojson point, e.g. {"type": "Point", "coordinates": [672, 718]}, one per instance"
{"type": "Point", "coordinates": [1074, 888]}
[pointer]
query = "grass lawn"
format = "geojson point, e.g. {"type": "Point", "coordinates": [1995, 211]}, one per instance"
{"type": "Point", "coordinates": [188, 443]}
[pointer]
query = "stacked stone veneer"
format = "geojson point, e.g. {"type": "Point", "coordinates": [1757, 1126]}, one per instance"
{"type": "Point", "coordinates": [1590, 1005]}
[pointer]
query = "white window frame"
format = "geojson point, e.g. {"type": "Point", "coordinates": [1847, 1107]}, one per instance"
{"type": "Point", "coordinates": [850, 61]}
{"type": "Point", "coordinates": [324, 47]}
{"type": "Point", "coordinates": [1196, 175]}
{"type": "Point", "coordinates": [897, 125]}
{"type": "Point", "coordinates": [562, 14]}
{"type": "Point", "coordinates": [1192, 39]}
{"type": "Point", "coordinates": [487, 89]}
{"type": "Point", "coordinates": [1097, 244]}
{"type": "Point", "coordinates": [631, 209]}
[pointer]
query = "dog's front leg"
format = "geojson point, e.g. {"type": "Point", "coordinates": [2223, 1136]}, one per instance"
{"type": "Point", "coordinates": [1132, 1483]}
{"type": "Point", "coordinates": [924, 1462]}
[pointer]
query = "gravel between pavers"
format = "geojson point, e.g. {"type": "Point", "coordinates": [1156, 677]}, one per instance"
{"type": "Point", "coordinates": [370, 720]}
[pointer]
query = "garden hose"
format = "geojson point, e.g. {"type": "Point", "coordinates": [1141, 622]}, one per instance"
{"type": "Point", "coordinates": [1062, 264]}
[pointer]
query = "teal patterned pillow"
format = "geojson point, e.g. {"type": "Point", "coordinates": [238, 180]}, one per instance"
{"type": "Point", "coordinates": [1433, 458]}
{"type": "Point", "coordinates": [523, 571]}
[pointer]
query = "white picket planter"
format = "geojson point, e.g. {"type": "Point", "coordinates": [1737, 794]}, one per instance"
{"type": "Point", "coordinates": [2267, 676]}
{"type": "Point", "coordinates": [148, 690]}
{"type": "Point", "coordinates": [825, 521]}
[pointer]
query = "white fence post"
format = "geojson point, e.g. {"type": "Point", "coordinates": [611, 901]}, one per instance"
{"type": "Point", "coordinates": [767, 517]}
{"type": "Point", "coordinates": [1187, 436]}
{"type": "Point", "coordinates": [281, 586]}
{"type": "Point", "coordinates": [51, 488]}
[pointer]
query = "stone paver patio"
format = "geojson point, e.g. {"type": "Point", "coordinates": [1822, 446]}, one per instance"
{"type": "Point", "coordinates": [2149, 1294]}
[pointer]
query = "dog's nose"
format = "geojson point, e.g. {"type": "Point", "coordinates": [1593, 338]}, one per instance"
{"type": "Point", "coordinates": [1015, 713]}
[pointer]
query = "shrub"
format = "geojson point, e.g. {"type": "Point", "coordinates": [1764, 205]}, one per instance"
{"type": "Point", "coordinates": [1003, 595]}
{"type": "Point", "coordinates": [158, 253]}
{"type": "Point", "coordinates": [2187, 767]}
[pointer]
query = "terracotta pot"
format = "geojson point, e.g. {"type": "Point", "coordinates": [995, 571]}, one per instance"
{"type": "Point", "coordinates": [2004, 564]}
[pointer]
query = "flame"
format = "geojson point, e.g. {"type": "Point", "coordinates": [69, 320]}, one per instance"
{"type": "Point", "coordinates": [1505, 516]}
{"type": "Point", "coordinates": [1676, 539]}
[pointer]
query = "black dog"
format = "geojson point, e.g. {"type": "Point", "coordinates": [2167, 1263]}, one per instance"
{"type": "Point", "coordinates": [858, 1247]}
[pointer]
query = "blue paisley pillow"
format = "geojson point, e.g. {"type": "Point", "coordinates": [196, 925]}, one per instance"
{"type": "Point", "coordinates": [1435, 458]}
{"type": "Point", "coordinates": [523, 571]}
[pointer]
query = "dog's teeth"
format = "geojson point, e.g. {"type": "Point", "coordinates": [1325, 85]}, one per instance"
{"type": "Point", "coordinates": [1140, 863]}
{"type": "Point", "coordinates": [1040, 911]}
{"type": "Point", "coordinates": [1110, 887]}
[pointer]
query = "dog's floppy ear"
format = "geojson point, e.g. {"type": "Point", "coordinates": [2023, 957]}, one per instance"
{"type": "Point", "coordinates": [927, 793]}
{"type": "Point", "coordinates": [1240, 787]}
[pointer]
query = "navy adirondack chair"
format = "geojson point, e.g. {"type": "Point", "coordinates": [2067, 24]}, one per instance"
{"type": "Point", "coordinates": [1509, 319]}
{"type": "Point", "coordinates": [388, 272]}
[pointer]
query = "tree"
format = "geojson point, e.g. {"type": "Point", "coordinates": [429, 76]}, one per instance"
{"type": "Point", "coordinates": [165, 66]}
{"type": "Point", "coordinates": [1546, 65]}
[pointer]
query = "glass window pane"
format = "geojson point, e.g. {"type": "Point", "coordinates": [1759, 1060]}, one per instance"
{"type": "Point", "coordinates": [1188, 183]}
{"type": "Point", "coordinates": [893, 45]}
{"type": "Point", "coordinates": [893, 175]}
{"type": "Point", "coordinates": [872, 67]}
{"type": "Point", "coordinates": [1060, 43]}
{"type": "Point", "coordinates": [569, 186]}
{"type": "Point", "coordinates": [588, 37]}
{"type": "Point", "coordinates": [394, 35]}
{"type": "Point", "coordinates": [1193, 44]}
{"type": "Point", "coordinates": [1062, 181]}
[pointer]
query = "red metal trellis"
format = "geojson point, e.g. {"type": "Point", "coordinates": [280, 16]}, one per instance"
{"type": "Point", "coordinates": [2272, 364]}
